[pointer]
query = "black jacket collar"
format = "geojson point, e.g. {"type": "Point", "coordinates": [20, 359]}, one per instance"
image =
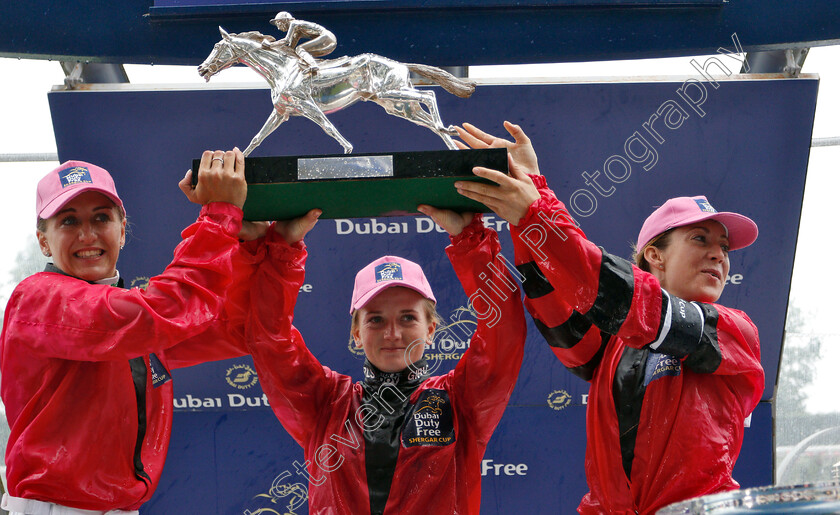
{"type": "Point", "coordinates": [54, 269]}
{"type": "Point", "coordinates": [411, 376]}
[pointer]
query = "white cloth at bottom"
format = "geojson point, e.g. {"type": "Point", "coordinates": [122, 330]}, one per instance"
{"type": "Point", "coordinates": [20, 506]}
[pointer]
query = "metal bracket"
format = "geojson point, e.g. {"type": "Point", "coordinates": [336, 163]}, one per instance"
{"type": "Point", "coordinates": [795, 59]}
{"type": "Point", "coordinates": [77, 73]}
{"type": "Point", "coordinates": [788, 61]}
{"type": "Point", "coordinates": [73, 75]}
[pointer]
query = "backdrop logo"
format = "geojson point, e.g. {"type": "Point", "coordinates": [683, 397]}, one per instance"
{"type": "Point", "coordinates": [139, 282]}
{"type": "Point", "coordinates": [356, 351]}
{"type": "Point", "coordinates": [452, 340]}
{"type": "Point", "coordinates": [241, 376]}
{"type": "Point", "coordinates": [283, 498]}
{"type": "Point", "coordinates": [559, 399]}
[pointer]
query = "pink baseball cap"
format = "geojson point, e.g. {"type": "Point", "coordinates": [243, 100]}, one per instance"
{"type": "Point", "coordinates": [70, 179]}
{"type": "Point", "coordinates": [680, 211]}
{"type": "Point", "coordinates": [386, 272]}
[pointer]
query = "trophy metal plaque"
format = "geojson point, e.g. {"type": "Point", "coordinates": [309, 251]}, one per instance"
{"type": "Point", "coordinates": [362, 185]}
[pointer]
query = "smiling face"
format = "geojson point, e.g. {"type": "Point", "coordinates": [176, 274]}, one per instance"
{"type": "Point", "coordinates": [695, 263]}
{"type": "Point", "coordinates": [393, 328]}
{"type": "Point", "coordinates": [85, 236]}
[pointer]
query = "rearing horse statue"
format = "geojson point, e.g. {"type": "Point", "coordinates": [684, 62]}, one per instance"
{"type": "Point", "coordinates": [337, 84]}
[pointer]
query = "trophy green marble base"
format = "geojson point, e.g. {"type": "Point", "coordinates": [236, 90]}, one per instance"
{"type": "Point", "coordinates": [362, 185]}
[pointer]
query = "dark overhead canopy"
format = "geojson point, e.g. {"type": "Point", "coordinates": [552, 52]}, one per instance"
{"type": "Point", "coordinates": [440, 32]}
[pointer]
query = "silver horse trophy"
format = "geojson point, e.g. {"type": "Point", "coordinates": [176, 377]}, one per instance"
{"type": "Point", "coordinates": [300, 89]}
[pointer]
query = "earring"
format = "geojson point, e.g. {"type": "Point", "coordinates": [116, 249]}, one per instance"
{"type": "Point", "coordinates": [49, 254]}
{"type": "Point", "coordinates": [661, 266]}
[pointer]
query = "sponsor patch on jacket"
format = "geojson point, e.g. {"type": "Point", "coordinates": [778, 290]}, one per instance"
{"type": "Point", "coordinates": [75, 175]}
{"type": "Point", "coordinates": [160, 375]}
{"type": "Point", "coordinates": [429, 421]}
{"type": "Point", "coordinates": [388, 272]}
{"type": "Point", "coordinates": [661, 365]}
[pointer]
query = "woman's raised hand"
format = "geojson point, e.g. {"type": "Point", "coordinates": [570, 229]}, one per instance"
{"type": "Point", "coordinates": [509, 198]}
{"type": "Point", "coordinates": [520, 148]}
{"type": "Point", "coordinates": [221, 178]}
{"type": "Point", "coordinates": [452, 222]}
{"type": "Point", "coordinates": [295, 229]}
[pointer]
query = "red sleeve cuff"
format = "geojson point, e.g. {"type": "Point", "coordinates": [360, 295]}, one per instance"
{"type": "Point", "coordinates": [471, 234]}
{"type": "Point", "coordinates": [532, 215]}
{"type": "Point", "coordinates": [539, 181]}
{"type": "Point", "coordinates": [280, 249]}
{"type": "Point", "coordinates": [228, 216]}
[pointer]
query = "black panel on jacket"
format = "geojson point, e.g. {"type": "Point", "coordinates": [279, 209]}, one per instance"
{"type": "Point", "coordinates": [587, 370]}
{"type": "Point", "coordinates": [388, 394]}
{"type": "Point", "coordinates": [138, 375]}
{"type": "Point", "coordinates": [691, 335]}
{"type": "Point", "coordinates": [615, 293]}
{"type": "Point", "coordinates": [567, 334]}
{"type": "Point", "coordinates": [535, 283]}
{"type": "Point", "coordinates": [707, 358]}
{"type": "Point", "coordinates": [628, 394]}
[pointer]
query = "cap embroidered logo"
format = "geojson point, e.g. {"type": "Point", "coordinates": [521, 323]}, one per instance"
{"type": "Point", "coordinates": [388, 272]}
{"type": "Point", "coordinates": [705, 206]}
{"type": "Point", "coordinates": [75, 175]}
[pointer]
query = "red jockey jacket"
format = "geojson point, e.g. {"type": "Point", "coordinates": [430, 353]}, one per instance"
{"type": "Point", "coordinates": [85, 367]}
{"type": "Point", "coordinates": [671, 381]}
{"type": "Point", "coordinates": [399, 443]}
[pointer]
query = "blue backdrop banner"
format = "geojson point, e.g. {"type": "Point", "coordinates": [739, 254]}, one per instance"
{"type": "Point", "coordinates": [612, 151]}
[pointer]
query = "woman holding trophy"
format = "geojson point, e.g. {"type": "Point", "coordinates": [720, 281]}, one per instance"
{"type": "Point", "coordinates": [673, 375]}
{"type": "Point", "coordinates": [85, 363]}
{"type": "Point", "coordinates": [400, 441]}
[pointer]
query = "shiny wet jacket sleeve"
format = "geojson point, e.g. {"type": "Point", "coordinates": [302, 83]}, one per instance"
{"type": "Point", "coordinates": [580, 295]}
{"type": "Point", "coordinates": [69, 382]}
{"type": "Point", "coordinates": [68, 318]}
{"type": "Point", "coordinates": [295, 383]}
{"type": "Point", "coordinates": [225, 337]}
{"type": "Point", "coordinates": [485, 376]}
